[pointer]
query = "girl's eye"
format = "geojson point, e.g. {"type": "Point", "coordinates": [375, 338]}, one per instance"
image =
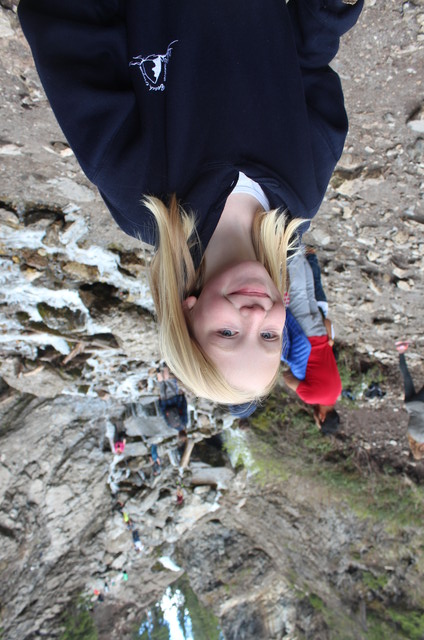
{"type": "Point", "coordinates": [227, 333]}
{"type": "Point", "coordinates": [269, 335]}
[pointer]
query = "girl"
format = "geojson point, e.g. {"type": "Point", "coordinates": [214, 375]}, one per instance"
{"type": "Point", "coordinates": [200, 123]}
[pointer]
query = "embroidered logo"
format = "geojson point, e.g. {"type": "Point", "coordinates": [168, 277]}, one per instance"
{"type": "Point", "coordinates": [153, 68]}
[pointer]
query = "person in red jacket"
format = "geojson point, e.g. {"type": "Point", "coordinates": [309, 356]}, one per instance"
{"type": "Point", "coordinates": [321, 386]}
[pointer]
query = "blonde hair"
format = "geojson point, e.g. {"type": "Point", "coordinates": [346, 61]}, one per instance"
{"type": "Point", "coordinates": [173, 277]}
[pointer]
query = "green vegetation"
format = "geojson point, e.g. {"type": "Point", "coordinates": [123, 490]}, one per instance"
{"type": "Point", "coordinates": [382, 622]}
{"type": "Point", "coordinates": [338, 625]}
{"type": "Point", "coordinates": [382, 497]}
{"type": "Point", "coordinates": [204, 623]}
{"type": "Point", "coordinates": [286, 447]}
{"type": "Point", "coordinates": [285, 441]}
{"type": "Point", "coordinates": [406, 625]}
{"type": "Point", "coordinates": [267, 465]}
{"type": "Point", "coordinates": [316, 602]}
{"type": "Point", "coordinates": [411, 623]}
{"type": "Point", "coordinates": [78, 624]}
{"type": "Point", "coordinates": [285, 444]}
{"type": "Point", "coordinates": [376, 583]}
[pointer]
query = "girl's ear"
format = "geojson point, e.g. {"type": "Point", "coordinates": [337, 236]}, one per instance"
{"type": "Point", "coordinates": [189, 303]}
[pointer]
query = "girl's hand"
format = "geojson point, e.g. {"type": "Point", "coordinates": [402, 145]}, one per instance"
{"type": "Point", "coordinates": [402, 346]}
{"type": "Point", "coordinates": [330, 331]}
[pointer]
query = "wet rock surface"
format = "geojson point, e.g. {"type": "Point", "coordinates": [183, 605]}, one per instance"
{"type": "Point", "coordinates": [286, 555]}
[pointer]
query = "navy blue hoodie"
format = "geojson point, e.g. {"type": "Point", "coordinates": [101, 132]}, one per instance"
{"type": "Point", "coordinates": [177, 96]}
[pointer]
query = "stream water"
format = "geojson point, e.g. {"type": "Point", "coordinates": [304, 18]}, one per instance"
{"type": "Point", "coordinates": [179, 615]}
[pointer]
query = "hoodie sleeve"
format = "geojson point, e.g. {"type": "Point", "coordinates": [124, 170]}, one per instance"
{"type": "Point", "coordinates": [79, 49]}
{"type": "Point", "coordinates": [318, 26]}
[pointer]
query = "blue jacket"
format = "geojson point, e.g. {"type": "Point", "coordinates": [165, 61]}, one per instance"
{"type": "Point", "coordinates": [296, 347]}
{"type": "Point", "coordinates": [161, 97]}
{"type": "Point", "coordinates": [174, 411]}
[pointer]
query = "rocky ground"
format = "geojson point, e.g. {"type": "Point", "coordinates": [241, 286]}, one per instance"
{"type": "Point", "coordinates": [311, 537]}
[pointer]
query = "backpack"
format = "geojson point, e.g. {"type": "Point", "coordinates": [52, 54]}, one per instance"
{"type": "Point", "coordinates": [174, 411]}
{"type": "Point", "coordinates": [173, 418]}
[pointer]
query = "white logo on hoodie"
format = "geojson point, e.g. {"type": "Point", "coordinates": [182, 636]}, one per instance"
{"type": "Point", "coordinates": [153, 68]}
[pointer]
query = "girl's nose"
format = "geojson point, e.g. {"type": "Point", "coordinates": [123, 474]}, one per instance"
{"type": "Point", "coordinates": [250, 302]}
{"type": "Point", "coordinates": [253, 310]}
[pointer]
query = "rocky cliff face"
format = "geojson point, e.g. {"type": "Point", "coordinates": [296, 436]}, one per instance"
{"type": "Point", "coordinates": [305, 538]}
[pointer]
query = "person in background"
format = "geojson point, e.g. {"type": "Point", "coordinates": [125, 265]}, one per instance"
{"type": "Point", "coordinates": [127, 519]}
{"type": "Point", "coordinates": [120, 441]}
{"type": "Point", "coordinates": [414, 404]}
{"type": "Point", "coordinates": [110, 432]}
{"type": "Point", "coordinates": [172, 401]}
{"type": "Point", "coordinates": [180, 497]}
{"type": "Point", "coordinates": [155, 460]}
{"type": "Point", "coordinates": [137, 542]}
{"type": "Point", "coordinates": [313, 374]}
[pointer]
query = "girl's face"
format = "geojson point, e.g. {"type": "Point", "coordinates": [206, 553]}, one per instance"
{"type": "Point", "coordinates": [238, 320]}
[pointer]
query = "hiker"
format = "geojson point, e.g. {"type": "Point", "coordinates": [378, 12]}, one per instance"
{"type": "Point", "coordinates": [182, 443]}
{"type": "Point", "coordinates": [201, 123]}
{"type": "Point", "coordinates": [118, 506]}
{"type": "Point", "coordinates": [172, 401]}
{"type": "Point", "coordinates": [313, 374]}
{"type": "Point", "coordinates": [137, 542]}
{"type": "Point", "coordinates": [127, 519]}
{"type": "Point", "coordinates": [120, 442]}
{"type": "Point", "coordinates": [155, 460]}
{"type": "Point", "coordinates": [110, 430]}
{"type": "Point", "coordinates": [117, 474]}
{"type": "Point", "coordinates": [180, 497]}
{"type": "Point", "coordinates": [414, 404]}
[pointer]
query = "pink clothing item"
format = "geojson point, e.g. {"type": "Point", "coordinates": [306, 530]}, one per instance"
{"type": "Point", "coordinates": [119, 447]}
